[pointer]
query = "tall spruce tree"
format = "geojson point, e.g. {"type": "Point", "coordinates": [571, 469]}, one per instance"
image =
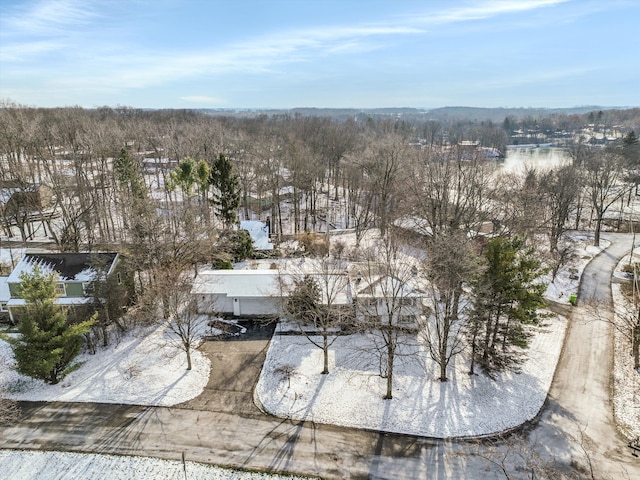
{"type": "Point", "coordinates": [48, 343]}
{"type": "Point", "coordinates": [226, 190]}
{"type": "Point", "coordinates": [506, 299]}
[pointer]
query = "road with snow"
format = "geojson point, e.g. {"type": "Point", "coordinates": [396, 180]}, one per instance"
{"type": "Point", "coordinates": [578, 416]}
{"type": "Point", "coordinates": [575, 426]}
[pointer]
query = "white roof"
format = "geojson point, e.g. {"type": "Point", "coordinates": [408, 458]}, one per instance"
{"type": "Point", "coordinates": [18, 302]}
{"type": "Point", "coordinates": [238, 283]}
{"type": "Point", "coordinates": [381, 286]}
{"type": "Point", "coordinates": [266, 283]}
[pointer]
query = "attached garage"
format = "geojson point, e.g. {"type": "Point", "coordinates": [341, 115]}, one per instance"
{"type": "Point", "coordinates": [239, 293]}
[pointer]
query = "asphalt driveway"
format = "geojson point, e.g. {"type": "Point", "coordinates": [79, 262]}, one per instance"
{"type": "Point", "coordinates": [236, 363]}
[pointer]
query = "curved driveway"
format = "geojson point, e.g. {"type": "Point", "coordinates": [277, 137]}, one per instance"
{"type": "Point", "coordinates": [574, 428]}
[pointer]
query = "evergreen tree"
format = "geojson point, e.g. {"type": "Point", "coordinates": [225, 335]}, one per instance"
{"type": "Point", "coordinates": [506, 299]}
{"type": "Point", "coordinates": [238, 244]}
{"type": "Point", "coordinates": [129, 175]}
{"type": "Point", "coordinates": [48, 343]}
{"type": "Point", "coordinates": [226, 195]}
{"type": "Point", "coordinates": [631, 149]}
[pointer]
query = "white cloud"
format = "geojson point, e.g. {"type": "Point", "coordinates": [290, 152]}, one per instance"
{"type": "Point", "coordinates": [51, 16]}
{"type": "Point", "coordinates": [483, 10]}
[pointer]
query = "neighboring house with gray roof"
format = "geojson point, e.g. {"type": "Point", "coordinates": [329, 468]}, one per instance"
{"type": "Point", "coordinates": [74, 274]}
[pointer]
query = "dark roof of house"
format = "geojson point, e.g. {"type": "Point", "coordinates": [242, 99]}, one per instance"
{"type": "Point", "coordinates": [80, 267]}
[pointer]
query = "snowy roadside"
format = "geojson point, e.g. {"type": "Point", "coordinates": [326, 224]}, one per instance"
{"type": "Point", "coordinates": [626, 380]}
{"type": "Point", "coordinates": [28, 465]}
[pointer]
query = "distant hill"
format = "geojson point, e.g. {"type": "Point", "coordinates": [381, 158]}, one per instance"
{"type": "Point", "coordinates": [499, 114]}
{"type": "Point", "coordinates": [443, 114]}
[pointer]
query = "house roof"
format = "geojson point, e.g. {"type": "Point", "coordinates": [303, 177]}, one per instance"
{"type": "Point", "coordinates": [75, 267]}
{"type": "Point", "coordinates": [382, 286]}
{"type": "Point", "coordinates": [64, 301]}
{"type": "Point", "coordinates": [265, 283]}
{"type": "Point", "coordinates": [237, 283]}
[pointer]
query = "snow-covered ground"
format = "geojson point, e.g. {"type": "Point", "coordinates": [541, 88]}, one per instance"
{"type": "Point", "coordinates": [567, 281]}
{"type": "Point", "coordinates": [626, 380]}
{"type": "Point", "coordinates": [138, 369]}
{"type": "Point", "coordinates": [351, 394]}
{"type": "Point", "coordinates": [30, 465]}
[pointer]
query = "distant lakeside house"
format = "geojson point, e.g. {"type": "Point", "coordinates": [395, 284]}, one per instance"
{"type": "Point", "coordinates": [75, 274]}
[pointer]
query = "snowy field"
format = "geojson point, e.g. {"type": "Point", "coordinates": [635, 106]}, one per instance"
{"type": "Point", "coordinates": [29, 465]}
{"type": "Point", "coordinates": [140, 369]}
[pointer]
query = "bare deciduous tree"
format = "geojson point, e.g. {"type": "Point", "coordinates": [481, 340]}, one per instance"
{"type": "Point", "coordinates": [319, 302]}
{"type": "Point", "coordinates": [185, 328]}
{"type": "Point", "coordinates": [388, 302]}
{"type": "Point", "coordinates": [450, 264]}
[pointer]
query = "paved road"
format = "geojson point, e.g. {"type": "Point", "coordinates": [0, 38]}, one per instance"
{"type": "Point", "coordinates": [223, 427]}
{"type": "Point", "coordinates": [579, 409]}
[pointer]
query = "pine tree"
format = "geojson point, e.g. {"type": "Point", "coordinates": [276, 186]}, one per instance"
{"type": "Point", "coordinates": [48, 343]}
{"type": "Point", "coordinates": [506, 297]}
{"type": "Point", "coordinates": [631, 149]}
{"type": "Point", "coordinates": [226, 190]}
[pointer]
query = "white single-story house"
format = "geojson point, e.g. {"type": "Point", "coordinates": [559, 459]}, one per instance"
{"type": "Point", "coordinates": [238, 292]}
{"type": "Point", "coordinates": [254, 293]}
{"type": "Point", "coordinates": [260, 292]}
{"type": "Point", "coordinates": [385, 297]}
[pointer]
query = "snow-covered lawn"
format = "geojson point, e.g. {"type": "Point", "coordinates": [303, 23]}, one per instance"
{"type": "Point", "coordinates": [29, 465]}
{"type": "Point", "coordinates": [139, 369]}
{"type": "Point", "coordinates": [351, 394]}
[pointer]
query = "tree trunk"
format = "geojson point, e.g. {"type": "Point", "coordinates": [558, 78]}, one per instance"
{"type": "Point", "coordinates": [636, 347]}
{"type": "Point", "coordinates": [596, 236]}
{"type": "Point", "coordinates": [325, 350]}
{"type": "Point", "coordinates": [389, 394]}
{"type": "Point", "coordinates": [188, 352]}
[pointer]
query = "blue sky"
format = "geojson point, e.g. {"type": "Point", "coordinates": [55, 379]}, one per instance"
{"type": "Point", "coordinates": [320, 53]}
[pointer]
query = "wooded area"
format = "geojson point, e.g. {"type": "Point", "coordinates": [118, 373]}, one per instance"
{"type": "Point", "coordinates": [167, 187]}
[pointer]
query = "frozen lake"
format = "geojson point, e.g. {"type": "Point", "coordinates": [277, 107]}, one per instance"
{"type": "Point", "coordinates": [540, 157]}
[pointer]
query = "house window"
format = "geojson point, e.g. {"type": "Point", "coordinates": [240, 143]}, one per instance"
{"type": "Point", "coordinates": [408, 319]}
{"type": "Point", "coordinates": [408, 302]}
{"type": "Point", "coordinates": [60, 289]}
{"type": "Point", "coordinates": [3, 307]}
